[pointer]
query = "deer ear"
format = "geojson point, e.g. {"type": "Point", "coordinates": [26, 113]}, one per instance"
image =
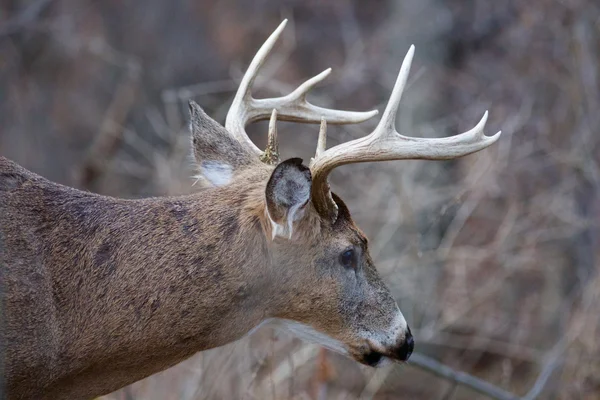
{"type": "Point", "coordinates": [217, 153]}
{"type": "Point", "coordinates": [288, 194]}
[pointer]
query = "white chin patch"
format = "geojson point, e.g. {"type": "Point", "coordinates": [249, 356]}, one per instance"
{"type": "Point", "coordinates": [216, 172]}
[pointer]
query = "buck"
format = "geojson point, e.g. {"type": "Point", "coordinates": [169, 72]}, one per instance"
{"type": "Point", "coordinates": [101, 292]}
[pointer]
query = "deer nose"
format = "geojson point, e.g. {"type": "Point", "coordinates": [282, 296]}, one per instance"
{"type": "Point", "coordinates": [407, 347]}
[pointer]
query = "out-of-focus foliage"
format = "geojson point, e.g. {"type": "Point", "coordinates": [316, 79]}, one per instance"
{"type": "Point", "coordinates": [493, 257]}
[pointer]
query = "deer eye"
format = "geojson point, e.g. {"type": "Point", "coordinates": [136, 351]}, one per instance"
{"type": "Point", "coordinates": [348, 258]}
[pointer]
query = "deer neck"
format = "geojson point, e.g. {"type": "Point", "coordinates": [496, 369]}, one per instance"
{"type": "Point", "coordinates": [139, 285]}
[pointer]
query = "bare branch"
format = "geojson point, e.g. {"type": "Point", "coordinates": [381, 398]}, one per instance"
{"type": "Point", "coordinates": [111, 130]}
{"type": "Point", "coordinates": [25, 19]}
{"type": "Point", "coordinates": [476, 384]}
{"type": "Point", "coordinates": [552, 361]}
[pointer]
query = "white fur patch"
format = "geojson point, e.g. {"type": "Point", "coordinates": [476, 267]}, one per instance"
{"type": "Point", "coordinates": [296, 213]}
{"type": "Point", "coordinates": [277, 229]}
{"type": "Point", "coordinates": [216, 172]}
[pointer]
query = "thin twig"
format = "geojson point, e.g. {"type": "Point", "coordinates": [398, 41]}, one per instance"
{"type": "Point", "coordinates": [549, 367]}
{"type": "Point", "coordinates": [476, 384]}
{"type": "Point", "coordinates": [25, 19]}
{"type": "Point", "coordinates": [481, 344]}
{"type": "Point", "coordinates": [110, 135]}
{"type": "Point", "coordinates": [375, 383]}
{"type": "Point", "coordinates": [450, 392]}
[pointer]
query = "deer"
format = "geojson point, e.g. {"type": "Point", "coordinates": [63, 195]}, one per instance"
{"type": "Point", "coordinates": [100, 292]}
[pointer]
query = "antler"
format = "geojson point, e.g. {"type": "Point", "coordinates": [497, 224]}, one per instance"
{"type": "Point", "coordinates": [293, 107]}
{"type": "Point", "coordinates": [385, 143]}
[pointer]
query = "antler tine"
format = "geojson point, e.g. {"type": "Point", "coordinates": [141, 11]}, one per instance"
{"type": "Point", "coordinates": [236, 119]}
{"type": "Point", "coordinates": [322, 142]}
{"type": "Point", "coordinates": [387, 124]}
{"type": "Point", "coordinates": [293, 107]}
{"type": "Point", "coordinates": [385, 143]}
{"type": "Point", "coordinates": [271, 154]}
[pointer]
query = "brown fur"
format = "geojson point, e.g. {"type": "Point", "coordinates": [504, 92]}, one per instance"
{"type": "Point", "coordinates": [101, 292]}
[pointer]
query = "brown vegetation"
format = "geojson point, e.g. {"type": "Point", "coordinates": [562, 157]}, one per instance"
{"type": "Point", "coordinates": [493, 257]}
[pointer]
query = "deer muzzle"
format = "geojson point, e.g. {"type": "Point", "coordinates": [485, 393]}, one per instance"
{"type": "Point", "coordinates": [376, 356]}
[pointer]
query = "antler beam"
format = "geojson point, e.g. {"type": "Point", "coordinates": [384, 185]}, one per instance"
{"type": "Point", "coordinates": [293, 107]}
{"type": "Point", "coordinates": [385, 143]}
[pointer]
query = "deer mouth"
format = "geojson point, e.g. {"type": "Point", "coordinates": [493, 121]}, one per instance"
{"type": "Point", "coordinates": [373, 359]}
{"type": "Point", "coordinates": [374, 356]}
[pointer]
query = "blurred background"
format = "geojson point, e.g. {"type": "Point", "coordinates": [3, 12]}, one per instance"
{"type": "Point", "coordinates": [493, 257]}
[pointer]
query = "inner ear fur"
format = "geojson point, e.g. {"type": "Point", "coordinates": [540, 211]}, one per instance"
{"type": "Point", "coordinates": [217, 153]}
{"type": "Point", "coordinates": [287, 196]}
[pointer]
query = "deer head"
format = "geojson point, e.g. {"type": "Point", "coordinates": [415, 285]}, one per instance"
{"type": "Point", "coordinates": [327, 287]}
{"type": "Point", "coordinates": [100, 292]}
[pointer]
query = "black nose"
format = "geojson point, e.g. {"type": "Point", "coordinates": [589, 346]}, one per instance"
{"type": "Point", "coordinates": [407, 347]}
